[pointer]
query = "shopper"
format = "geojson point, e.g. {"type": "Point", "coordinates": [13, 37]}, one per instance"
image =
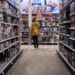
{"type": "Point", "coordinates": [35, 32]}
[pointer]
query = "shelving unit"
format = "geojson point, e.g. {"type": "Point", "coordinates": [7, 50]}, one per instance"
{"type": "Point", "coordinates": [25, 33]}
{"type": "Point", "coordinates": [9, 35]}
{"type": "Point", "coordinates": [67, 34]}
{"type": "Point", "coordinates": [49, 33]}
{"type": "Point", "coordinates": [45, 28]}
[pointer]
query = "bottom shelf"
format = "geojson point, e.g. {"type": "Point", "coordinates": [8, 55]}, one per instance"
{"type": "Point", "coordinates": [42, 43]}
{"type": "Point", "coordinates": [5, 65]}
{"type": "Point", "coordinates": [48, 43]}
{"type": "Point", "coordinates": [72, 69]}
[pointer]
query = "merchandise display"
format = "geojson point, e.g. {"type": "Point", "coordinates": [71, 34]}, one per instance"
{"type": "Point", "coordinates": [46, 13]}
{"type": "Point", "coordinates": [9, 34]}
{"type": "Point", "coordinates": [25, 32]}
{"type": "Point", "coordinates": [67, 34]}
{"type": "Point", "coordinates": [47, 33]}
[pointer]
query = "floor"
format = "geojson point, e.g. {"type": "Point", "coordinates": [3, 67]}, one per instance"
{"type": "Point", "coordinates": [42, 61]}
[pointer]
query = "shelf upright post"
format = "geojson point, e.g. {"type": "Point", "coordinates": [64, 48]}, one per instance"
{"type": "Point", "coordinates": [30, 20]}
{"type": "Point", "coordinates": [18, 13]}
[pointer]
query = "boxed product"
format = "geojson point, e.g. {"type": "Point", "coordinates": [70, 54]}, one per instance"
{"type": "Point", "coordinates": [17, 47]}
{"type": "Point", "coordinates": [12, 52]}
{"type": "Point", "coordinates": [65, 2]}
{"type": "Point", "coordinates": [72, 10]}
{"type": "Point", "coordinates": [8, 32]}
{"type": "Point", "coordinates": [9, 19]}
{"type": "Point", "coordinates": [4, 34]}
{"type": "Point", "coordinates": [15, 21]}
{"type": "Point", "coordinates": [72, 7]}
{"type": "Point", "coordinates": [7, 43]}
{"type": "Point", "coordinates": [1, 17]}
{"type": "Point", "coordinates": [7, 55]}
{"type": "Point", "coordinates": [1, 4]}
{"type": "Point", "coordinates": [4, 4]}
{"type": "Point", "coordinates": [2, 46]}
{"type": "Point", "coordinates": [73, 33]}
{"type": "Point", "coordinates": [4, 17]}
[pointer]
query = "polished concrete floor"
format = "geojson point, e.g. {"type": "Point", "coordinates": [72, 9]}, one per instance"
{"type": "Point", "coordinates": [42, 61]}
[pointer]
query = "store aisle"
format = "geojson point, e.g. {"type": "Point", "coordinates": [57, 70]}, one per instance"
{"type": "Point", "coordinates": [43, 61]}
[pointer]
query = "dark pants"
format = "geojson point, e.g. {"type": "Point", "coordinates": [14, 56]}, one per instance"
{"type": "Point", "coordinates": [35, 41]}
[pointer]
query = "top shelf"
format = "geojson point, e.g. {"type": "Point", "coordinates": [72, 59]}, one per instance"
{"type": "Point", "coordinates": [65, 22]}
{"type": "Point", "coordinates": [72, 14]}
{"type": "Point", "coordinates": [12, 5]}
{"type": "Point", "coordinates": [68, 4]}
{"type": "Point", "coordinates": [15, 16]}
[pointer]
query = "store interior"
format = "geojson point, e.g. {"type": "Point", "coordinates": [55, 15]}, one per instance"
{"type": "Point", "coordinates": [48, 20]}
{"type": "Point", "coordinates": [56, 52]}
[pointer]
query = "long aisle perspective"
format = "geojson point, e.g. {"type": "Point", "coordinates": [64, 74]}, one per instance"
{"type": "Point", "coordinates": [41, 61]}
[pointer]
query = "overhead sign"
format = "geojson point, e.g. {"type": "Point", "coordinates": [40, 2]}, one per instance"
{"type": "Point", "coordinates": [36, 2]}
{"type": "Point", "coordinates": [53, 6]}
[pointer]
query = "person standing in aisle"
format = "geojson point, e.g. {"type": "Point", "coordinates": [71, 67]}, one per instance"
{"type": "Point", "coordinates": [35, 30]}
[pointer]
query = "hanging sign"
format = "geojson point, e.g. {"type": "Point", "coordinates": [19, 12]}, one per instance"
{"type": "Point", "coordinates": [36, 2]}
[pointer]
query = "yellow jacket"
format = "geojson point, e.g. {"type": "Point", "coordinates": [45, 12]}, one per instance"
{"type": "Point", "coordinates": [35, 29]}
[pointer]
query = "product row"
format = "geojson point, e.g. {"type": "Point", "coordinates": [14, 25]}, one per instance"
{"type": "Point", "coordinates": [69, 13]}
{"type": "Point", "coordinates": [9, 54]}
{"type": "Point", "coordinates": [65, 28]}
{"type": "Point", "coordinates": [4, 17]}
{"type": "Point", "coordinates": [64, 2]}
{"type": "Point", "coordinates": [48, 37]}
{"type": "Point", "coordinates": [25, 30]}
{"type": "Point", "coordinates": [7, 31]}
{"type": "Point", "coordinates": [6, 6]}
{"type": "Point", "coordinates": [9, 43]}
{"type": "Point", "coordinates": [69, 55]}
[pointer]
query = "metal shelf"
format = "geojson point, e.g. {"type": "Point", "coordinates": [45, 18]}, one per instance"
{"type": "Point", "coordinates": [48, 43]}
{"type": "Point", "coordinates": [9, 38]}
{"type": "Point", "coordinates": [3, 23]}
{"type": "Point", "coordinates": [9, 47]}
{"type": "Point", "coordinates": [9, 24]}
{"type": "Point", "coordinates": [63, 34]}
{"type": "Point", "coordinates": [12, 5]}
{"type": "Point", "coordinates": [65, 60]}
{"type": "Point", "coordinates": [14, 24]}
{"type": "Point", "coordinates": [9, 42]}
{"type": "Point", "coordinates": [68, 4]}
{"type": "Point", "coordinates": [71, 38]}
{"type": "Point", "coordinates": [65, 22]}
{"type": "Point", "coordinates": [66, 45]}
{"type": "Point", "coordinates": [5, 65]}
{"type": "Point", "coordinates": [12, 15]}
{"type": "Point", "coordinates": [14, 43]}
{"type": "Point", "coordinates": [25, 37]}
{"type": "Point", "coordinates": [72, 14]}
